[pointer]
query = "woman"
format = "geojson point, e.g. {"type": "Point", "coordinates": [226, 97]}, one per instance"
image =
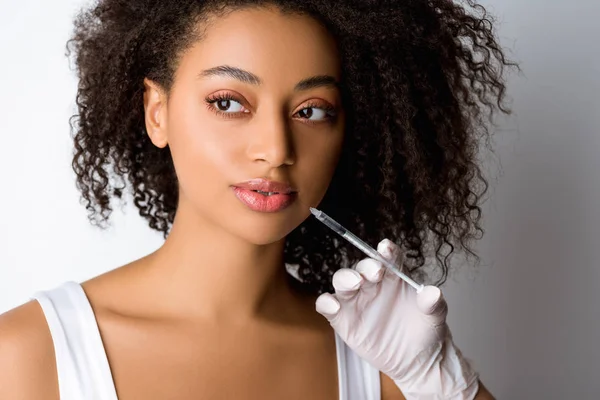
{"type": "Point", "coordinates": [227, 120]}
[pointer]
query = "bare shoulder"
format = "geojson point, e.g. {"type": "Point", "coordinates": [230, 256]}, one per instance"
{"type": "Point", "coordinates": [389, 390]}
{"type": "Point", "coordinates": [27, 360]}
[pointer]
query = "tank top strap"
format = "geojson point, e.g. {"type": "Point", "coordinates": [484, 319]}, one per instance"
{"type": "Point", "coordinates": [81, 361]}
{"type": "Point", "coordinates": [358, 380]}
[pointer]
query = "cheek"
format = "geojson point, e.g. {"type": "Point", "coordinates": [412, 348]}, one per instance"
{"type": "Point", "coordinates": [201, 149]}
{"type": "Point", "coordinates": [317, 162]}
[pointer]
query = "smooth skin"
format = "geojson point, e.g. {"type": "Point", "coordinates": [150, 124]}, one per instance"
{"type": "Point", "coordinates": [211, 314]}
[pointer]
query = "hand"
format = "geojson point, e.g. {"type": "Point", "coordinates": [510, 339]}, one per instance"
{"type": "Point", "coordinates": [397, 330]}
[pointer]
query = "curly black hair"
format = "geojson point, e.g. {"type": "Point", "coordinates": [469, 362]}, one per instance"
{"type": "Point", "coordinates": [421, 79]}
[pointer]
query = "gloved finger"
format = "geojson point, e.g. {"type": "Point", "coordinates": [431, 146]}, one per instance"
{"type": "Point", "coordinates": [327, 305]}
{"type": "Point", "coordinates": [431, 302]}
{"type": "Point", "coordinates": [392, 252]}
{"type": "Point", "coordinates": [371, 270]}
{"type": "Point", "coordinates": [346, 283]}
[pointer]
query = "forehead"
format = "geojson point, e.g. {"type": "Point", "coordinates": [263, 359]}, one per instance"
{"type": "Point", "coordinates": [279, 48]}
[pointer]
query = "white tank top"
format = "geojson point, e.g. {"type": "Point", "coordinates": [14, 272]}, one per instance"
{"type": "Point", "coordinates": [84, 372]}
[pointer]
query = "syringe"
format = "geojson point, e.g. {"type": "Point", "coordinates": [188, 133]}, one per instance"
{"type": "Point", "coordinates": [362, 246]}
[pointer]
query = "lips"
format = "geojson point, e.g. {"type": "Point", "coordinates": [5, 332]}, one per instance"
{"type": "Point", "coordinates": [265, 196]}
{"type": "Point", "coordinates": [266, 186]}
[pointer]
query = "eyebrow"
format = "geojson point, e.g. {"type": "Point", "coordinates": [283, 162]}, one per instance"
{"type": "Point", "coordinates": [250, 78]}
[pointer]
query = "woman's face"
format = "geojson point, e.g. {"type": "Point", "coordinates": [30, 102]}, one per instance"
{"type": "Point", "coordinates": [255, 105]}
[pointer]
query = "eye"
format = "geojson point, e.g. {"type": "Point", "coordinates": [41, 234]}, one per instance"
{"type": "Point", "coordinates": [226, 105]}
{"type": "Point", "coordinates": [229, 106]}
{"type": "Point", "coordinates": [316, 113]}
{"type": "Point", "coordinates": [313, 114]}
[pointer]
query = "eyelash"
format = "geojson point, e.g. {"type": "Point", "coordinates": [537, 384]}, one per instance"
{"type": "Point", "coordinates": [211, 100]}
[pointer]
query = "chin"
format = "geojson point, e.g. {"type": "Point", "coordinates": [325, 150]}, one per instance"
{"type": "Point", "coordinates": [261, 238]}
{"type": "Point", "coordinates": [264, 229]}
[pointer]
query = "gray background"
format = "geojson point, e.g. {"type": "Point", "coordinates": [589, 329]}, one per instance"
{"type": "Point", "coordinates": [526, 316]}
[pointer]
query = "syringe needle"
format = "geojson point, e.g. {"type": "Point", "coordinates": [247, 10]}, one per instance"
{"type": "Point", "coordinates": [362, 246]}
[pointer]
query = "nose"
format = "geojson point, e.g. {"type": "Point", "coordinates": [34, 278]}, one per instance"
{"type": "Point", "coordinates": [272, 142]}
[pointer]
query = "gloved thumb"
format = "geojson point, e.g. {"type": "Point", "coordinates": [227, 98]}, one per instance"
{"type": "Point", "coordinates": [431, 302]}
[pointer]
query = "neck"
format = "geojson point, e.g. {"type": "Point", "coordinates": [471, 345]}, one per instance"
{"type": "Point", "coordinates": [204, 271]}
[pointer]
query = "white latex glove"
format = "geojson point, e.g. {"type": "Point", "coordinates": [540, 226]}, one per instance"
{"type": "Point", "coordinates": [401, 333]}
